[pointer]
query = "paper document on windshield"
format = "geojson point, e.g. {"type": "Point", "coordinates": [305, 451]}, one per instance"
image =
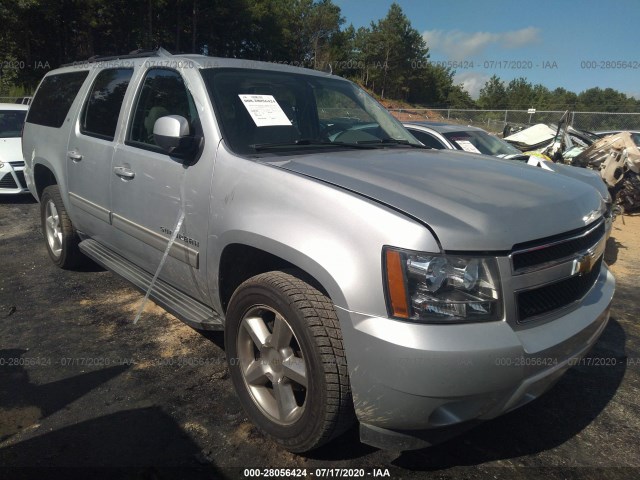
{"type": "Point", "coordinates": [264, 110]}
{"type": "Point", "coordinates": [467, 146]}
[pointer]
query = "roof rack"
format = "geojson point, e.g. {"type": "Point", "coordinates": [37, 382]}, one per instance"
{"type": "Point", "coordinates": [158, 52]}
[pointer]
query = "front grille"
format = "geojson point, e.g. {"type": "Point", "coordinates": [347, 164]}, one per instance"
{"type": "Point", "coordinates": [20, 175]}
{"type": "Point", "coordinates": [538, 301]}
{"type": "Point", "coordinates": [555, 248]}
{"type": "Point", "coordinates": [17, 163]}
{"type": "Point", "coordinates": [8, 182]}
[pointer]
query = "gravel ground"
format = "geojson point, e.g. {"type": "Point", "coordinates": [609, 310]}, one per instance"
{"type": "Point", "coordinates": [85, 392]}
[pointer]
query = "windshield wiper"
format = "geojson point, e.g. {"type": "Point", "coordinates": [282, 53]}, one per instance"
{"type": "Point", "coordinates": [306, 143]}
{"type": "Point", "coordinates": [392, 141]}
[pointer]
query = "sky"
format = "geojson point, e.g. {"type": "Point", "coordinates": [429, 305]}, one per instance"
{"type": "Point", "coordinates": [575, 45]}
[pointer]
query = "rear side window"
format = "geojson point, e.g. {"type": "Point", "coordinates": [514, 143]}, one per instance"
{"type": "Point", "coordinates": [54, 98]}
{"type": "Point", "coordinates": [102, 108]}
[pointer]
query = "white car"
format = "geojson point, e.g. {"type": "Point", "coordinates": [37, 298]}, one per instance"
{"type": "Point", "coordinates": [11, 162]}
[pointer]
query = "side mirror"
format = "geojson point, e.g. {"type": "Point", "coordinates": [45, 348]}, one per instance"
{"type": "Point", "coordinates": [170, 132]}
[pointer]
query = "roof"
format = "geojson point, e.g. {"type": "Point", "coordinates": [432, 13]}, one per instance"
{"type": "Point", "coordinates": [163, 58]}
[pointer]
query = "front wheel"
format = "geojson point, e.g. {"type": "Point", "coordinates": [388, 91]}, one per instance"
{"type": "Point", "coordinates": [60, 236]}
{"type": "Point", "coordinates": [286, 359]}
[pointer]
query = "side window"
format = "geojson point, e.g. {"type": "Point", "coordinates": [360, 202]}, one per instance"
{"type": "Point", "coordinates": [102, 108]}
{"type": "Point", "coordinates": [427, 139]}
{"type": "Point", "coordinates": [163, 92]}
{"type": "Point", "coordinates": [11, 122]}
{"type": "Point", "coordinates": [55, 97]}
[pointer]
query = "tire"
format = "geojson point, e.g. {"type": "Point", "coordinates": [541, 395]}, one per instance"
{"type": "Point", "coordinates": [287, 362]}
{"type": "Point", "coordinates": [59, 235]}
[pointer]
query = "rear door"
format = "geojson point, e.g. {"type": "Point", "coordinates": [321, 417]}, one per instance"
{"type": "Point", "coordinates": [90, 151]}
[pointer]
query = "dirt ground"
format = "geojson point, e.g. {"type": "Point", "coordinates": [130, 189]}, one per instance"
{"type": "Point", "coordinates": [85, 392]}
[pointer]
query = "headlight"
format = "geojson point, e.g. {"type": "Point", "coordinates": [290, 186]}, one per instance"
{"type": "Point", "coordinates": [431, 288]}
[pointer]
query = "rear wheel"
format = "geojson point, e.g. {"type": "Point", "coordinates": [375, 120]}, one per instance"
{"type": "Point", "coordinates": [61, 238]}
{"type": "Point", "coordinates": [286, 359]}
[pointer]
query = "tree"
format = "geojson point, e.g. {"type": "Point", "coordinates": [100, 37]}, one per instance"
{"type": "Point", "coordinates": [389, 56]}
{"type": "Point", "coordinates": [493, 95]}
{"type": "Point", "coordinates": [321, 26]}
{"type": "Point", "coordinates": [519, 94]}
{"type": "Point", "coordinates": [607, 100]}
{"type": "Point", "coordinates": [541, 97]}
{"type": "Point", "coordinates": [395, 49]}
{"type": "Point", "coordinates": [460, 98]}
{"type": "Point", "coordinates": [360, 59]}
{"type": "Point", "coordinates": [431, 84]}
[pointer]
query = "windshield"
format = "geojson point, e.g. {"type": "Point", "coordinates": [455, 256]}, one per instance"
{"type": "Point", "coordinates": [11, 122]}
{"type": "Point", "coordinates": [478, 141]}
{"type": "Point", "coordinates": [263, 110]}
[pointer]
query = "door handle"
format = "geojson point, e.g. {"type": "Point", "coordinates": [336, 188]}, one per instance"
{"type": "Point", "coordinates": [73, 155]}
{"type": "Point", "coordinates": [124, 172]}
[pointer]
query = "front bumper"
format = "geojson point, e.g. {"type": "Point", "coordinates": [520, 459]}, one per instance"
{"type": "Point", "coordinates": [12, 180]}
{"type": "Point", "coordinates": [414, 385]}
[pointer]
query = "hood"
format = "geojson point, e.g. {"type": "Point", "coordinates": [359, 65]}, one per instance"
{"type": "Point", "coordinates": [10, 149]}
{"type": "Point", "coordinates": [472, 203]}
{"type": "Point", "coordinates": [585, 175]}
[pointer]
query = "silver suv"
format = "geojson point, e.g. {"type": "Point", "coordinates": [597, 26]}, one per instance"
{"type": "Point", "coordinates": [356, 275]}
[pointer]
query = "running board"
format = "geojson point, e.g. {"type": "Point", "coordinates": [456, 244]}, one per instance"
{"type": "Point", "coordinates": [189, 310]}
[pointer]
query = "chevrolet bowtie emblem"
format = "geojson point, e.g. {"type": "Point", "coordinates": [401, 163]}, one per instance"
{"type": "Point", "coordinates": [582, 265]}
{"type": "Point", "coordinates": [586, 260]}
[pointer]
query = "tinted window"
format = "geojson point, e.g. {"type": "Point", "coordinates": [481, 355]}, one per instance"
{"type": "Point", "coordinates": [163, 93]}
{"type": "Point", "coordinates": [54, 98]}
{"type": "Point", "coordinates": [101, 111]}
{"type": "Point", "coordinates": [427, 139]}
{"type": "Point", "coordinates": [11, 122]}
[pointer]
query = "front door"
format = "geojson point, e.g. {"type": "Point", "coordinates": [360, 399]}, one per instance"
{"type": "Point", "coordinates": [150, 189]}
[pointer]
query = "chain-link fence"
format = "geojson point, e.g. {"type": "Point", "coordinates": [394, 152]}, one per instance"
{"type": "Point", "coordinates": [495, 120]}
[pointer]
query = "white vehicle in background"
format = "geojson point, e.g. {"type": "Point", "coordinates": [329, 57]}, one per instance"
{"type": "Point", "coordinates": [11, 163]}
{"type": "Point", "coordinates": [449, 136]}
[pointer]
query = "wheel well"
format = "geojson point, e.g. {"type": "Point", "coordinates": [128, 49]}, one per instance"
{"type": "Point", "coordinates": [43, 177]}
{"type": "Point", "coordinates": [240, 262]}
